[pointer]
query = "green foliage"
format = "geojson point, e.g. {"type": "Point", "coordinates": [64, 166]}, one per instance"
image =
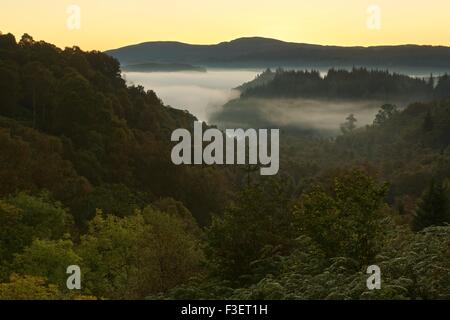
{"type": "Point", "coordinates": [417, 264]}
{"type": "Point", "coordinates": [178, 211]}
{"type": "Point", "coordinates": [24, 218]}
{"type": "Point", "coordinates": [358, 83]}
{"type": "Point", "coordinates": [116, 199]}
{"type": "Point", "coordinates": [259, 217]}
{"type": "Point", "coordinates": [414, 266]}
{"type": "Point", "coordinates": [137, 255]}
{"type": "Point", "coordinates": [12, 231]}
{"type": "Point", "coordinates": [69, 124]}
{"type": "Point", "coordinates": [434, 207]}
{"type": "Point", "coordinates": [47, 218]}
{"type": "Point", "coordinates": [28, 288]}
{"type": "Point", "coordinates": [169, 255]}
{"type": "Point", "coordinates": [48, 259]}
{"type": "Point", "coordinates": [345, 220]}
{"type": "Point", "coordinates": [109, 253]}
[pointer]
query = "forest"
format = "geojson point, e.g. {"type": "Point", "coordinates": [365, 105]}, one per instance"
{"type": "Point", "coordinates": [357, 83]}
{"type": "Point", "coordinates": [86, 179]}
{"type": "Point", "coordinates": [316, 103]}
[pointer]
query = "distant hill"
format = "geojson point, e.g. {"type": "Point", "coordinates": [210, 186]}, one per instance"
{"type": "Point", "coordinates": [162, 67]}
{"type": "Point", "coordinates": [263, 52]}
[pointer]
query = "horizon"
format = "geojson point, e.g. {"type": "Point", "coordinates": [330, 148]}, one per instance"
{"type": "Point", "coordinates": [18, 36]}
{"type": "Point", "coordinates": [108, 25]}
{"type": "Point", "coordinates": [281, 40]}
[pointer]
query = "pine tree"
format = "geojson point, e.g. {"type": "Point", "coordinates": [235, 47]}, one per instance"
{"type": "Point", "coordinates": [349, 125]}
{"type": "Point", "coordinates": [433, 209]}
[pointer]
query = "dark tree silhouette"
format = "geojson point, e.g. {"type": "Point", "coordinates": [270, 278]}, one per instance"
{"type": "Point", "coordinates": [434, 207]}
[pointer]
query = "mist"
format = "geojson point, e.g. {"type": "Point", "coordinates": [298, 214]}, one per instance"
{"type": "Point", "coordinates": [210, 97]}
{"type": "Point", "coordinates": [198, 92]}
{"type": "Point", "coordinates": [322, 116]}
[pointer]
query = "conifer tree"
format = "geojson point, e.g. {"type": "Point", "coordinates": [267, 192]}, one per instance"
{"type": "Point", "coordinates": [434, 207]}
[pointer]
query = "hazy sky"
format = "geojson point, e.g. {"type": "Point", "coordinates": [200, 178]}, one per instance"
{"type": "Point", "coordinates": [107, 24]}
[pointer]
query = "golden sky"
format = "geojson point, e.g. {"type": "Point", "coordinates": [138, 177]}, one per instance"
{"type": "Point", "coordinates": [107, 24]}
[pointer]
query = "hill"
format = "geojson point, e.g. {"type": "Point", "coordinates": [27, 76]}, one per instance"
{"type": "Point", "coordinates": [69, 125]}
{"type": "Point", "coordinates": [263, 52]}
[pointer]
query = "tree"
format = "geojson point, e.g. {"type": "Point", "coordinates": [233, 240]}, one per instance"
{"type": "Point", "coordinates": [349, 125]}
{"type": "Point", "coordinates": [386, 112]}
{"type": "Point", "coordinates": [12, 232]}
{"type": "Point", "coordinates": [258, 218]}
{"type": "Point", "coordinates": [48, 259]}
{"type": "Point", "coordinates": [28, 288]}
{"type": "Point", "coordinates": [434, 207]}
{"type": "Point", "coordinates": [431, 82]}
{"type": "Point", "coordinates": [116, 199]}
{"type": "Point", "coordinates": [26, 40]}
{"type": "Point", "coordinates": [37, 86]}
{"type": "Point", "coordinates": [345, 219]}
{"type": "Point", "coordinates": [169, 255]}
{"type": "Point", "coordinates": [110, 253]}
{"type": "Point", "coordinates": [138, 255]}
{"type": "Point", "coordinates": [24, 218]}
{"type": "Point", "coordinates": [442, 90]}
{"type": "Point", "coordinates": [46, 217]}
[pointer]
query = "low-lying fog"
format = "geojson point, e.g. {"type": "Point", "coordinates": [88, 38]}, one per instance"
{"type": "Point", "coordinates": [302, 114]}
{"type": "Point", "coordinates": [204, 93]}
{"type": "Point", "coordinates": [198, 92]}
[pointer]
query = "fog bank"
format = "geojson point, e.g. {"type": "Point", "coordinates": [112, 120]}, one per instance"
{"type": "Point", "coordinates": [198, 92]}
{"type": "Point", "coordinates": [318, 115]}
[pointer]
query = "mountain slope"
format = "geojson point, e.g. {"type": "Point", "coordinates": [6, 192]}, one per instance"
{"type": "Point", "coordinates": [264, 52]}
{"type": "Point", "coordinates": [69, 125]}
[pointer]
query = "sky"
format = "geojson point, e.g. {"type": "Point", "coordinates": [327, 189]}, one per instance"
{"type": "Point", "coordinates": [108, 24]}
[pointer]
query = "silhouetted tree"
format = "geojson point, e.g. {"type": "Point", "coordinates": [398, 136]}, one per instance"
{"type": "Point", "coordinates": [385, 113]}
{"type": "Point", "coordinates": [433, 209]}
{"type": "Point", "coordinates": [349, 125]}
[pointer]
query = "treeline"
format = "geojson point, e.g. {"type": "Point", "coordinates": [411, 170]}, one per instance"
{"type": "Point", "coordinates": [358, 83]}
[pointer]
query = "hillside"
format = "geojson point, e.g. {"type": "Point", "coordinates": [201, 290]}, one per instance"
{"type": "Point", "coordinates": [263, 52]}
{"type": "Point", "coordinates": [70, 125]}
